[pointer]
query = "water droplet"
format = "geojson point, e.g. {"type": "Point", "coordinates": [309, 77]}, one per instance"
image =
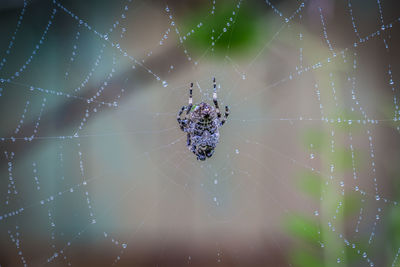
{"type": "Point", "coordinates": [124, 245]}
{"type": "Point", "coordinates": [164, 83]}
{"type": "Point", "coordinates": [237, 151]}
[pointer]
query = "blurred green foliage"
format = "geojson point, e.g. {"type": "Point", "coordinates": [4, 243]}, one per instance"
{"type": "Point", "coordinates": [310, 183]}
{"type": "Point", "coordinates": [315, 137]}
{"type": "Point", "coordinates": [352, 203]}
{"type": "Point", "coordinates": [302, 227]}
{"type": "Point", "coordinates": [239, 36]}
{"type": "Point", "coordinates": [392, 234]}
{"type": "Point", "coordinates": [305, 258]}
{"type": "Point", "coordinates": [307, 229]}
{"type": "Point", "coordinates": [342, 159]}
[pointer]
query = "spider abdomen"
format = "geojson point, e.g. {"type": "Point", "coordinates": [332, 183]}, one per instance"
{"type": "Point", "coordinates": [204, 137]}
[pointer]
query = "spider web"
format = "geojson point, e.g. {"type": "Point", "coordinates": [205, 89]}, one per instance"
{"type": "Point", "coordinates": [93, 161]}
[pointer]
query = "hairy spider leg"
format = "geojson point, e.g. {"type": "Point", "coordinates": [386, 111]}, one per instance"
{"type": "Point", "coordinates": [215, 99]}
{"type": "Point", "coordinates": [226, 115]}
{"type": "Point", "coordinates": [182, 123]}
{"type": "Point", "coordinates": [190, 98]}
{"type": "Point", "coordinates": [189, 107]}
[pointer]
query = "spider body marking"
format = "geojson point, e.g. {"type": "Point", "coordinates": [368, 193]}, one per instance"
{"type": "Point", "coordinates": [201, 123]}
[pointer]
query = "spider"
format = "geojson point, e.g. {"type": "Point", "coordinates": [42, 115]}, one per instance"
{"type": "Point", "coordinates": [202, 123]}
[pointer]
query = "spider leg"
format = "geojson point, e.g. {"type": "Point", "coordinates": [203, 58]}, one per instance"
{"type": "Point", "coordinates": [188, 140]}
{"type": "Point", "coordinates": [226, 115]}
{"type": "Point", "coordinates": [189, 107]}
{"type": "Point", "coordinates": [190, 99]}
{"type": "Point", "coordinates": [215, 99]}
{"type": "Point", "coordinates": [182, 123]}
